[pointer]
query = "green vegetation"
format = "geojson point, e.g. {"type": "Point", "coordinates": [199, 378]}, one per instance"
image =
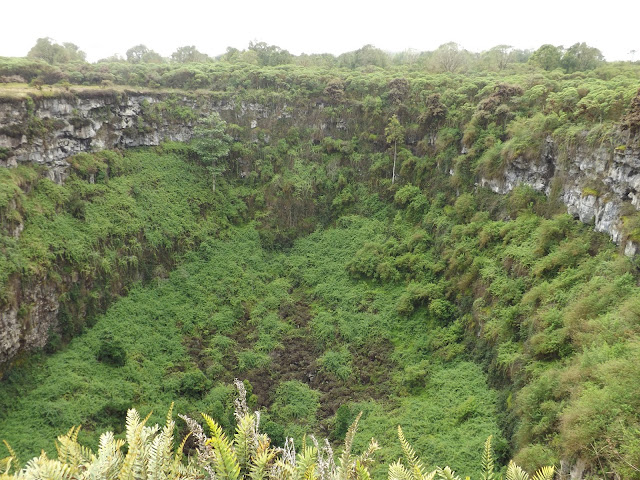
{"type": "Point", "coordinates": [150, 453]}
{"type": "Point", "coordinates": [338, 257]}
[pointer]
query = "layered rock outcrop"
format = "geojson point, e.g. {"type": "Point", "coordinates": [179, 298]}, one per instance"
{"type": "Point", "coordinates": [48, 131]}
{"type": "Point", "coordinates": [598, 185]}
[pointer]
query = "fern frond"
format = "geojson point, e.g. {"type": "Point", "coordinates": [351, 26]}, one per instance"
{"type": "Point", "coordinates": [211, 423]}
{"type": "Point", "coordinates": [430, 475]}
{"type": "Point", "coordinates": [177, 458]}
{"type": "Point", "coordinates": [169, 419]}
{"type": "Point", "coordinates": [397, 471]}
{"type": "Point", "coordinates": [306, 462]}
{"type": "Point", "coordinates": [366, 457]}
{"type": "Point", "coordinates": [487, 462]}
{"type": "Point", "coordinates": [243, 441]}
{"type": "Point", "coordinates": [545, 473]}
{"type": "Point", "coordinates": [514, 472]}
{"type": "Point", "coordinates": [226, 461]}
{"type": "Point", "coordinates": [346, 462]}
{"type": "Point", "coordinates": [348, 441]}
{"type": "Point", "coordinates": [164, 448]}
{"type": "Point", "coordinates": [136, 435]}
{"type": "Point", "coordinates": [283, 470]}
{"type": "Point", "coordinates": [109, 459]}
{"type": "Point", "coordinates": [447, 474]}
{"type": "Point", "coordinates": [415, 465]}
{"type": "Point", "coordinates": [71, 452]}
{"type": "Point", "coordinates": [132, 422]}
{"type": "Point", "coordinates": [362, 472]}
{"type": "Point", "coordinates": [44, 468]}
{"type": "Point", "coordinates": [12, 458]}
{"type": "Point", "coordinates": [5, 465]}
{"type": "Point", "coordinates": [261, 465]}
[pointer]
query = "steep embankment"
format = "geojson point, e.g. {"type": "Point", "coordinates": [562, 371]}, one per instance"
{"type": "Point", "coordinates": [79, 245]}
{"type": "Point", "coordinates": [47, 131]}
{"type": "Point", "coordinates": [597, 184]}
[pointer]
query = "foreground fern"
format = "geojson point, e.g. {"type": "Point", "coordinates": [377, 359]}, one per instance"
{"type": "Point", "coordinates": [148, 453]}
{"type": "Point", "coordinates": [249, 454]}
{"type": "Point", "coordinates": [415, 470]}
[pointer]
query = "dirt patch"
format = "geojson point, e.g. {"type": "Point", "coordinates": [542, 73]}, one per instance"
{"type": "Point", "coordinates": [296, 359]}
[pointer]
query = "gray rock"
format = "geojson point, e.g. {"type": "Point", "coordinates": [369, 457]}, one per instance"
{"type": "Point", "coordinates": [596, 184]}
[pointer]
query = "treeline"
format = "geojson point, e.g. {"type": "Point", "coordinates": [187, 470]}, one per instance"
{"type": "Point", "coordinates": [50, 63]}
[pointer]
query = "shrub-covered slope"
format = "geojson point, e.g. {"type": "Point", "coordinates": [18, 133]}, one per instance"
{"type": "Point", "coordinates": [383, 308]}
{"type": "Point", "coordinates": [332, 285]}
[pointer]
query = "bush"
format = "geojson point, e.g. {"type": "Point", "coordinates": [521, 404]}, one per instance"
{"type": "Point", "coordinates": [112, 352]}
{"type": "Point", "coordinates": [194, 384]}
{"type": "Point", "coordinates": [296, 402]}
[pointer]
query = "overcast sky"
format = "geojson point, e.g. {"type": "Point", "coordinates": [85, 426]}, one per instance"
{"type": "Point", "coordinates": [104, 28]}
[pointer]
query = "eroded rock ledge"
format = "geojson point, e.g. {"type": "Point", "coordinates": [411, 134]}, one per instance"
{"type": "Point", "coordinates": [47, 131]}
{"type": "Point", "coordinates": [600, 186]}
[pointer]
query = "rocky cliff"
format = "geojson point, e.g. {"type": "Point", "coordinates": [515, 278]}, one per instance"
{"type": "Point", "coordinates": [47, 131]}
{"type": "Point", "coordinates": [599, 185]}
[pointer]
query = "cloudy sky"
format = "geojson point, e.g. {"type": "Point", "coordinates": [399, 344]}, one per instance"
{"type": "Point", "coordinates": [335, 26]}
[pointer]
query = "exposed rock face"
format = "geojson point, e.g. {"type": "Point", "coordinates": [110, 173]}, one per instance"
{"type": "Point", "coordinates": [48, 131]}
{"type": "Point", "coordinates": [27, 322]}
{"type": "Point", "coordinates": [598, 185]}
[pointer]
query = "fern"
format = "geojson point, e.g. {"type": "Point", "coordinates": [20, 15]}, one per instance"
{"type": "Point", "coordinates": [306, 463]}
{"type": "Point", "coordinates": [397, 471]}
{"type": "Point", "coordinates": [514, 472]}
{"type": "Point", "coordinates": [226, 465]}
{"type": "Point", "coordinates": [545, 473]}
{"type": "Point", "coordinates": [447, 474]}
{"type": "Point", "coordinates": [347, 464]}
{"type": "Point", "coordinates": [5, 463]}
{"type": "Point", "coordinates": [261, 465]}
{"type": "Point", "coordinates": [487, 461]}
{"type": "Point", "coordinates": [416, 469]}
{"type": "Point", "coordinates": [150, 455]}
{"type": "Point", "coordinates": [243, 442]}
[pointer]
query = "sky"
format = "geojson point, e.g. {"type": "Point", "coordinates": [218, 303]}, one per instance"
{"type": "Point", "coordinates": [102, 29]}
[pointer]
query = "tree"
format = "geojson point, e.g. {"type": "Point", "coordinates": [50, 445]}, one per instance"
{"type": "Point", "coordinates": [547, 57]}
{"type": "Point", "coordinates": [142, 54]}
{"type": "Point", "coordinates": [580, 57]}
{"type": "Point", "coordinates": [449, 57]}
{"type": "Point", "coordinates": [211, 143]}
{"type": "Point", "coordinates": [73, 52]}
{"type": "Point", "coordinates": [394, 133]}
{"type": "Point", "coordinates": [364, 57]}
{"type": "Point", "coordinates": [53, 53]}
{"type": "Point", "coordinates": [188, 55]}
{"type": "Point", "coordinates": [270, 55]}
{"type": "Point", "coordinates": [500, 56]}
{"type": "Point", "coordinates": [135, 54]}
